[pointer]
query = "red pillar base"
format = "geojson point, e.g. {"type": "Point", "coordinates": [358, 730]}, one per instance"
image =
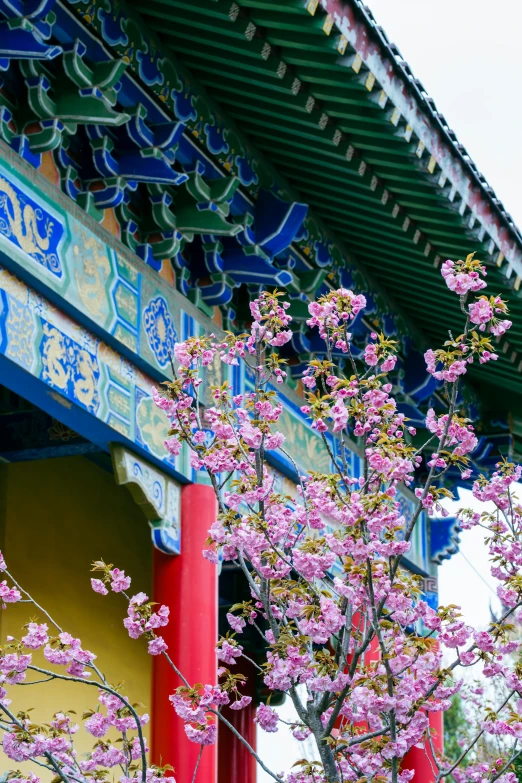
{"type": "Point", "coordinates": [421, 759]}
{"type": "Point", "coordinates": [188, 585]}
{"type": "Point", "coordinates": [235, 762]}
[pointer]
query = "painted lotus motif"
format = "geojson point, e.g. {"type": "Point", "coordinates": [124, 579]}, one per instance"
{"type": "Point", "coordinates": [159, 327]}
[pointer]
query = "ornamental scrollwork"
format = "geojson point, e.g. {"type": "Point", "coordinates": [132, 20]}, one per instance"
{"type": "Point", "coordinates": [159, 328]}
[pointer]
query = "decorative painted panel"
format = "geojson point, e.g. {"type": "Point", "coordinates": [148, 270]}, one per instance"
{"type": "Point", "coordinates": [159, 328]}
{"type": "Point", "coordinates": [31, 226]}
{"type": "Point", "coordinates": [112, 292]}
{"type": "Point", "coordinates": [45, 355]}
{"type": "Point", "coordinates": [157, 494]}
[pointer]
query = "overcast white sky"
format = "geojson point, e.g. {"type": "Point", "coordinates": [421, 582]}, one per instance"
{"type": "Point", "coordinates": [467, 54]}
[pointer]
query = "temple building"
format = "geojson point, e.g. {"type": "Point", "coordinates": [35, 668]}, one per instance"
{"type": "Point", "coordinates": [160, 163]}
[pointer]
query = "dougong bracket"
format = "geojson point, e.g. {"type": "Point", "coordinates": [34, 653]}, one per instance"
{"type": "Point", "coordinates": [156, 493]}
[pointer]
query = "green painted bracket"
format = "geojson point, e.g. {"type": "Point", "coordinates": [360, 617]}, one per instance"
{"type": "Point", "coordinates": [86, 202]}
{"type": "Point", "coordinates": [193, 220]}
{"type": "Point", "coordinates": [7, 131]}
{"type": "Point", "coordinates": [101, 75]}
{"type": "Point", "coordinates": [45, 139]}
{"type": "Point", "coordinates": [165, 248]}
{"type": "Point", "coordinates": [196, 297]}
{"type": "Point", "coordinates": [219, 191]}
{"type": "Point", "coordinates": [161, 212]}
{"type": "Point", "coordinates": [87, 105]}
{"type": "Point", "coordinates": [309, 282]}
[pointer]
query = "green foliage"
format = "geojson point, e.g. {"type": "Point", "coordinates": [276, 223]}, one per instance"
{"type": "Point", "coordinates": [517, 768]}
{"type": "Point", "coordinates": [454, 728]}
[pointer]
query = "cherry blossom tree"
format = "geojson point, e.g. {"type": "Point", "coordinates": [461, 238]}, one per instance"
{"type": "Point", "coordinates": [345, 632]}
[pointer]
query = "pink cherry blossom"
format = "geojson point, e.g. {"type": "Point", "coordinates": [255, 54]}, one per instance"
{"type": "Point", "coordinates": [241, 703]}
{"type": "Point", "coordinates": [236, 623]}
{"type": "Point", "coordinates": [323, 562]}
{"type": "Point", "coordinates": [228, 652]}
{"type": "Point", "coordinates": [9, 595]}
{"type": "Point", "coordinates": [480, 312]}
{"type": "Point", "coordinates": [119, 582]}
{"type": "Point", "coordinates": [202, 734]}
{"type": "Point", "coordinates": [157, 646]}
{"type": "Point", "coordinates": [97, 725]}
{"type": "Point", "coordinates": [98, 587]}
{"type": "Point", "coordinates": [36, 636]}
{"type": "Point", "coordinates": [501, 327]}
{"type": "Point", "coordinates": [267, 718]}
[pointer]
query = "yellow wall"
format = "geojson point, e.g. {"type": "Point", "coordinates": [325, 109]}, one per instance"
{"type": "Point", "coordinates": [56, 517]}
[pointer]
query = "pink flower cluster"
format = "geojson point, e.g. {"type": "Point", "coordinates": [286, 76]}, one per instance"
{"type": "Point", "coordinates": [193, 707]}
{"type": "Point", "coordinates": [267, 718]}
{"type": "Point", "coordinates": [463, 276]}
{"type": "Point", "coordinates": [451, 370]}
{"type": "Point", "coordinates": [459, 434]}
{"type": "Point", "coordinates": [115, 578]}
{"type": "Point", "coordinates": [484, 311]}
{"type": "Point", "coordinates": [342, 621]}
{"type": "Point", "coordinates": [141, 619]}
{"type": "Point", "coordinates": [449, 364]}
{"type": "Point", "coordinates": [55, 743]}
{"type": "Point", "coordinates": [36, 636]}
{"type": "Point", "coordinates": [380, 351]}
{"type": "Point", "coordinates": [333, 311]}
{"type": "Point", "coordinates": [65, 650]}
{"type": "Point", "coordinates": [13, 667]}
{"type": "Point", "coordinates": [8, 595]}
{"type": "Point", "coordinates": [116, 715]}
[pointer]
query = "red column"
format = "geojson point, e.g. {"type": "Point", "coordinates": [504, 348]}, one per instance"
{"type": "Point", "coordinates": [236, 764]}
{"type": "Point", "coordinates": [370, 655]}
{"type": "Point", "coordinates": [421, 759]}
{"type": "Point", "coordinates": [437, 730]}
{"type": "Point", "coordinates": [187, 583]}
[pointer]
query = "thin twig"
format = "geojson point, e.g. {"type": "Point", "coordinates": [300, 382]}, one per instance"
{"type": "Point", "coordinates": [197, 764]}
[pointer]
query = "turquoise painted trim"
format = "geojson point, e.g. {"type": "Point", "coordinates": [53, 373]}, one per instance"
{"type": "Point", "coordinates": [89, 274]}
{"type": "Point", "coordinates": [65, 369]}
